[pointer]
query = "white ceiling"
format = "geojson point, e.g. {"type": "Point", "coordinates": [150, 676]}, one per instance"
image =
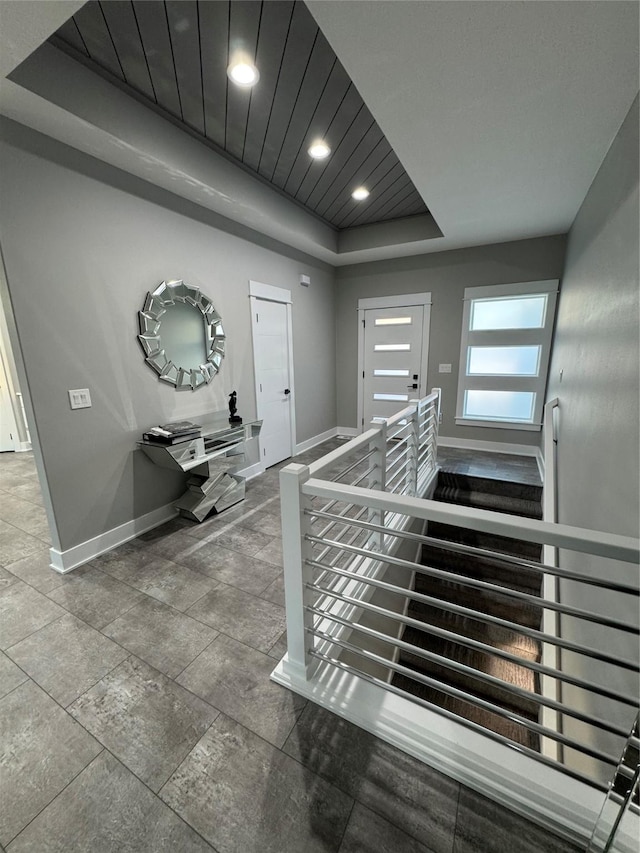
{"type": "Point", "coordinates": [25, 24]}
{"type": "Point", "coordinates": [501, 112]}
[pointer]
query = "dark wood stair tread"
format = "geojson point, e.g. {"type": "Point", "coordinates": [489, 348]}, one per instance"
{"type": "Point", "coordinates": [488, 541]}
{"type": "Point", "coordinates": [502, 496]}
{"type": "Point", "coordinates": [493, 722]}
{"type": "Point", "coordinates": [489, 569]}
{"type": "Point", "coordinates": [483, 662]}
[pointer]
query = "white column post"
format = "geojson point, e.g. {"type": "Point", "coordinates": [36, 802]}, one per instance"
{"type": "Point", "coordinates": [379, 479]}
{"type": "Point", "coordinates": [297, 573]}
{"type": "Point", "coordinates": [413, 447]}
{"type": "Point", "coordinates": [436, 426]}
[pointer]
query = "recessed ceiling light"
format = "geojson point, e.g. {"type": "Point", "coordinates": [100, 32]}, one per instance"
{"type": "Point", "coordinates": [243, 74]}
{"type": "Point", "coordinates": [360, 194]}
{"type": "Point", "coordinates": [319, 150]}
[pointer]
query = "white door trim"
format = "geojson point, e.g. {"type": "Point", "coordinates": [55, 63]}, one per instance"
{"type": "Point", "coordinates": [269, 291]}
{"type": "Point", "coordinates": [259, 290]}
{"type": "Point", "coordinates": [399, 301]}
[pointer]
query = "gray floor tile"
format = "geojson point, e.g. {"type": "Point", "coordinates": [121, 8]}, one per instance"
{"type": "Point", "coordinates": [37, 572]}
{"type": "Point", "coordinates": [275, 591]}
{"type": "Point", "coordinates": [163, 579]}
{"type": "Point", "coordinates": [279, 649]}
{"type": "Point", "coordinates": [185, 549]}
{"type": "Point", "coordinates": [25, 515]}
{"type": "Point", "coordinates": [15, 544]}
{"type": "Point", "coordinates": [486, 827]}
{"type": "Point", "coordinates": [242, 515]}
{"type": "Point", "coordinates": [367, 832]}
{"type": "Point", "coordinates": [242, 616]}
{"type": "Point", "coordinates": [67, 657]}
{"type": "Point", "coordinates": [160, 635]}
{"type": "Point", "coordinates": [95, 596]}
{"type": "Point", "coordinates": [242, 539]}
{"type": "Point", "coordinates": [104, 810]}
{"type": "Point", "coordinates": [235, 679]}
{"type": "Point", "coordinates": [23, 611]}
{"type": "Point", "coordinates": [11, 676]}
{"type": "Point", "coordinates": [233, 568]}
{"type": "Point", "coordinates": [244, 796]}
{"type": "Point", "coordinates": [43, 748]}
{"type": "Point", "coordinates": [28, 491]}
{"type": "Point", "coordinates": [272, 553]}
{"type": "Point", "coordinates": [165, 531]}
{"type": "Point", "coordinates": [393, 784]}
{"type": "Point", "coordinates": [264, 522]}
{"type": "Point", "coordinates": [6, 579]}
{"type": "Point", "coordinates": [146, 720]}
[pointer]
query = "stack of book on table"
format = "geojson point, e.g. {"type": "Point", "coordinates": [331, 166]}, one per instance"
{"type": "Point", "coordinates": [172, 433]}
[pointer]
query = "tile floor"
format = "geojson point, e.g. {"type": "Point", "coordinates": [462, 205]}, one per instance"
{"type": "Point", "coordinates": [137, 712]}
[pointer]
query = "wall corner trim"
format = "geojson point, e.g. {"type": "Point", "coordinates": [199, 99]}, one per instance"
{"type": "Point", "coordinates": [78, 555]}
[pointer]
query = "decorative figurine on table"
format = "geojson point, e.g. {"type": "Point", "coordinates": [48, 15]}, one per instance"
{"type": "Point", "coordinates": [233, 418]}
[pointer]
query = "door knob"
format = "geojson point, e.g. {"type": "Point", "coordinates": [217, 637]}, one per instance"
{"type": "Point", "coordinates": [287, 390]}
{"type": "Point", "coordinates": [414, 386]}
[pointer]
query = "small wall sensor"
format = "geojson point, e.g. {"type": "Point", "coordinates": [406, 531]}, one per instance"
{"type": "Point", "coordinates": [305, 280]}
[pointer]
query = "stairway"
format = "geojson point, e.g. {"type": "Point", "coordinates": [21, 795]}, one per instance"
{"type": "Point", "coordinates": [499, 495]}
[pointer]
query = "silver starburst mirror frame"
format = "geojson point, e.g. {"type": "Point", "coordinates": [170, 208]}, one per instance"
{"type": "Point", "coordinates": [156, 305]}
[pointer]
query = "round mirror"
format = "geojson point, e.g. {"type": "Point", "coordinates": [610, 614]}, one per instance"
{"type": "Point", "coordinates": [181, 334]}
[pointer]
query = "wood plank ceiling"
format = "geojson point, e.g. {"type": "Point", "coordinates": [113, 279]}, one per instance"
{"type": "Point", "coordinates": [175, 54]}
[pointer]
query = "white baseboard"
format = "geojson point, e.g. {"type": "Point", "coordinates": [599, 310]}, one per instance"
{"type": "Point", "coordinates": [348, 432]}
{"type": "Point", "coordinates": [315, 441]}
{"type": "Point", "coordinates": [539, 793]}
{"type": "Point", "coordinates": [72, 558]}
{"type": "Point", "coordinates": [495, 447]}
{"type": "Point", "coordinates": [23, 447]}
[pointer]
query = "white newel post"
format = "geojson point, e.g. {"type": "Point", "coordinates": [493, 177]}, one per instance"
{"type": "Point", "coordinates": [433, 436]}
{"type": "Point", "coordinates": [297, 572]}
{"type": "Point", "coordinates": [413, 447]}
{"type": "Point", "coordinates": [378, 480]}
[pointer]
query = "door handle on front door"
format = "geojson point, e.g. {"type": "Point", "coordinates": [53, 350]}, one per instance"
{"type": "Point", "coordinates": [288, 391]}
{"type": "Point", "coordinates": [414, 386]}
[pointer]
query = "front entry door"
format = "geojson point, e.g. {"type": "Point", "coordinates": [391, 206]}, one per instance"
{"type": "Point", "coordinates": [394, 370]}
{"type": "Point", "coordinates": [273, 382]}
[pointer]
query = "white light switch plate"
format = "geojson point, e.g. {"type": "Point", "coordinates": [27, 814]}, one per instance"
{"type": "Point", "coordinates": [444, 368]}
{"type": "Point", "coordinates": [80, 398]}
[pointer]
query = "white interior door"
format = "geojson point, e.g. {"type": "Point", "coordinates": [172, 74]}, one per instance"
{"type": "Point", "coordinates": [394, 359]}
{"type": "Point", "coordinates": [271, 348]}
{"type": "Point", "coordinates": [8, 433]}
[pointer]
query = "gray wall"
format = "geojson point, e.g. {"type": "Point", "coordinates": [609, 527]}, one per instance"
{"type": "Point", "coordinates": [82, 244]}
{"type": "Point", "coordinates": [445, 275]}
{"type": "Point", "coordinates": [596, 347]}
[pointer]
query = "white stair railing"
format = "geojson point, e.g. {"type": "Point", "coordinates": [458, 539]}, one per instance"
{"type": "Point", "coordinates": [342, 532]}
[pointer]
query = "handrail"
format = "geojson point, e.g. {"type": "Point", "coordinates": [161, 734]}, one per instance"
{"type": "Point", "coordinates": [610, 545]}
{"type": "Point", "coordinates": [447, 545]}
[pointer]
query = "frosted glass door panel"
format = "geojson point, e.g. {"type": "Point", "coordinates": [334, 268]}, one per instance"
{"type": "Point", "coordinates": [515, 312]}
{"type": "Point", "coordinates": [392, 358]}
{"type": "Point", "coordinates": [503, 361]}
{"type": "Point", "coordinates": [499, 405]}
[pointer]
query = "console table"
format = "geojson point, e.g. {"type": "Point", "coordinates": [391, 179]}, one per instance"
{"type": "Point", "coordinates": [212, 459]}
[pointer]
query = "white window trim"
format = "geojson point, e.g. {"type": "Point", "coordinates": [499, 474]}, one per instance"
{"type": "Point", "coordinates": [507, 337]}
